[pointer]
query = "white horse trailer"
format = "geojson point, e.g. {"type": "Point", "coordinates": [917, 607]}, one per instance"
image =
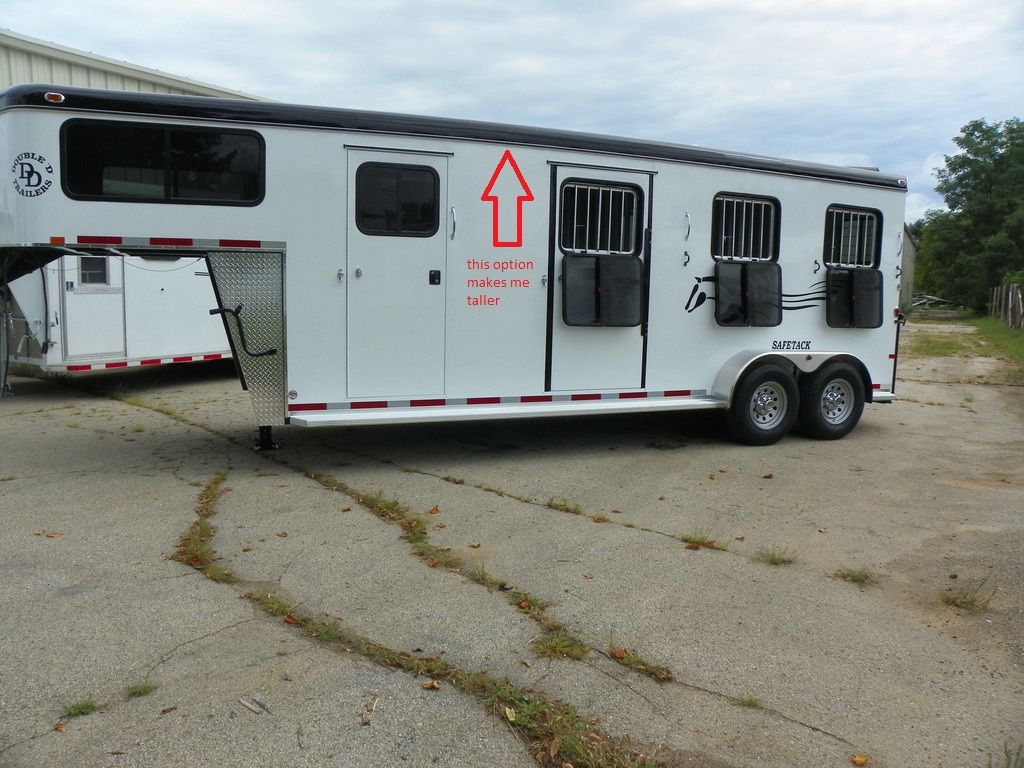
{"type": "Point", "coordinates": [377, 268]}
{"type": "Point", "coordinates": [105, 309]}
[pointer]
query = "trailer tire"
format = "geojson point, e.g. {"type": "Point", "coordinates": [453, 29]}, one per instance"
{"type": "Point", "coordinates": [831, 401]}
{"type": "Point", "coordinates": [764, 406]}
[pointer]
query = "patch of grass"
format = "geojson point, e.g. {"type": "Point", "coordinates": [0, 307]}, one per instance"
{"type": "Point", "coordinates": [932, 344]}
{"type": "Point", "coordinates": [194, 547]}
{"type": "Point", "coordinates": [702, 540]}
{"type": "Point", "coordinates": [861, 577]}
{"type": "Point", "coordinates": [325, 631]}
{"type": "Point", "coordinates": [206, 505]}
{"type": "Point", "coordinates": [775, 556]}
{"type": "Point", "coordinates": [1007, 342]}
{"type": "Point", "coordinates": [750, 701]}
{"type": "Point", "coordinates": [138, 428]}
{"type": "Point", "coordinates": [139, 690]}
{"type": "Point", "coordinates": [600, 518]}
{"type": "Point", "coordinates": [636, 662]}
{"type": "Point", "coordinates": [560, 645]}
{"type": "Point", "coordinates": [561, 505]}
{"type": "Point", "coordinates": [7, 479]}
{"type": "Point", "coordinates": [271, 603]}
{"type": "Point", "coordinates": [80, 708]}
{"type": "Point", "coordinates": [972, 597]}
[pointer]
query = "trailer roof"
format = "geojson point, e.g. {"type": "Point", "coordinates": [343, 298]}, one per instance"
{"type": "Point", "coordinates": [272, 113]}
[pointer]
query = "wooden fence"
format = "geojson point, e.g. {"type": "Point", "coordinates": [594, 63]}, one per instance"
{"type": "Point", "coordinates": [1004, 302]}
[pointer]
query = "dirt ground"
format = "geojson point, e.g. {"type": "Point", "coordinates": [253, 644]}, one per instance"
{"type": "Point", "coordinates": [769, 665]}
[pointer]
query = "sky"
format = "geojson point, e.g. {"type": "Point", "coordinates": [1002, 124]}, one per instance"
{"type": "Point", "coordinates": [880, 83]}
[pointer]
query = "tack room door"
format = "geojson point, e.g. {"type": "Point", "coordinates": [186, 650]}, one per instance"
{"type": "Point", "coordinates": [396, 275]}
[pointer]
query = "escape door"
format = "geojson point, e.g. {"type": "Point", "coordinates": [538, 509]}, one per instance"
{"type": "Point", "coordinates": [599, 301]}
{"type": "Point", "coordinates": [92, 297]}
{"type": "Point", "coordinates": [396, 273]}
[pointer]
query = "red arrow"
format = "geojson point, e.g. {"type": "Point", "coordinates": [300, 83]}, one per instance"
{"type": "Point", "coordinates": [527, 196]}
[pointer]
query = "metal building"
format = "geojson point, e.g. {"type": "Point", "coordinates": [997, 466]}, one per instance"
{"type": "Point", "coordinates": [28, 60]}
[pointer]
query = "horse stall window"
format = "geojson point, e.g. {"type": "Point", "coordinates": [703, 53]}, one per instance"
{"type": "Point", "coordinates": [744, 228]}
{"type": "Point", "coordinates": [745, 247]}
{"type": "Point", "coordinates": [146, 163]}
{"type": "Point", "coordinates": [602, 272]}
{"type": "Point", "coordinates": [397, 200]}
{"type": "Point", "coordinates": [852, 251]}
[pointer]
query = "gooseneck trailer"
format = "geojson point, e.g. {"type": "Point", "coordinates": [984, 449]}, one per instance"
{"type": "Point", "coordinates": [375, 268]}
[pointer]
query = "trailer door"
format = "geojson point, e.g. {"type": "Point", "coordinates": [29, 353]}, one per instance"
{"type": "Point", "coordinates": [397, 247]}
{"type": "Point", "coordinates": [92, 295]}
{"type": "Point", "coordinates": [598, 304]}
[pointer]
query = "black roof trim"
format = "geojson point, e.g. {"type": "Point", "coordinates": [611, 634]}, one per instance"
{"type": "Point", "coordinates": [270, 113]}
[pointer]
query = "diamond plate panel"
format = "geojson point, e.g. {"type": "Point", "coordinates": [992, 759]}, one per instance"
{"type": "Point", "coordinates": [255, 280]}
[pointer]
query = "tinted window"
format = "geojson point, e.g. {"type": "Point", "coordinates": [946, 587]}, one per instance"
{"type": "Point", "coordinates": [150, 163]}
{"type": "Point", "coordinates": [397, 199]}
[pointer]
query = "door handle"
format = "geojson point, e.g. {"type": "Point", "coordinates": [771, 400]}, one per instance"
{"type": "Point", "coordinates": [434, 277]}
{"type": "Point", "coordinates": [454, 222]}
{"type": "Point", "coordinates": [359, 271]}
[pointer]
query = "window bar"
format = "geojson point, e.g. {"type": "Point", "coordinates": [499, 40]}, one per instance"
{"type": "Point", "coordinates": [749, 230]}
{"type": "Point", "coordinates": [586, 220]}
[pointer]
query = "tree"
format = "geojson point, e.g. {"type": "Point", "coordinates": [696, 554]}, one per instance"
{"type": "Point", "coordinates": [980, 240]}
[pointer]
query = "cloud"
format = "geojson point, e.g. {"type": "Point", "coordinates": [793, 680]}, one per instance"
{"type": "Point", "coordinates": [880, 84]}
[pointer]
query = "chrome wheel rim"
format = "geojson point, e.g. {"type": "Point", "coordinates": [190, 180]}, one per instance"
{"type": "Point", "coordinates": [768, 405]}
{"type": "Point", "coordinates": [836, 401]}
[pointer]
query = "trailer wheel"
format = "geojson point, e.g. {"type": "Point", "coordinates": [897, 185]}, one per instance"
{"type": "Point", "coordinates": [764, 405]}
{"type": "Point", "coordinates": [831, 401]}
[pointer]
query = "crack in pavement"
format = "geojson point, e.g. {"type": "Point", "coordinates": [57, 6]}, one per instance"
{"type": "Point", "coordinates": [165, 657]}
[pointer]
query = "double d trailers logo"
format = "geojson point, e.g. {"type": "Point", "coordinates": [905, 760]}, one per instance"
{"type": "Point", "coordinates": [32, 174]}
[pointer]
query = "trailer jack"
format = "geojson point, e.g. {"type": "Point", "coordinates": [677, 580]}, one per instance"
{"type": "Point", "coordinates": [266, 441]}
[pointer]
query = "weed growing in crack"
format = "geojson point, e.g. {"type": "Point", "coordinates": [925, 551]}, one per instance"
{"type": "Point", "coordinates": [1013, 756]}
{"type": "Point", "coordinates": [559, 645]}
{"type": "Point", "coordinates": [195, 546]}
{"type": "Point", "coordinates": [702, 540]}
{"type": "Point", "coordinates": [638, 663]}
{"type": "Point", "coordinates": [750, 701]}
{"type": "Point", "coordinates": [773, 556]}
{"type": "Point", "coordinates": [861, 577]}
{"type": "Point", "coordinates": [561, 505]}
{"type": "Point", "coordinates": [970, 597]}
{"type": "Point", "coordinates": [139, 690]}
{"type": "Point", "coordinates": [80, 708]}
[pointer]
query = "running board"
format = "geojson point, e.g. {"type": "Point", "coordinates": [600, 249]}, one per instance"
{"type": "Point", "coordinates": [365, 416]}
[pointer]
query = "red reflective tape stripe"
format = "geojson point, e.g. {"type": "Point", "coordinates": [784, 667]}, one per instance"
{"type": "Point", "coordinates": [100, 240]}
{"type": "Point", "coordinates": [483, 400]}
{"type": "Point", "coordinates": [594, 396]}
{"type": "Point", "coordinates": [217, 356]}
{"type": "Point", "coordinates": [370, 404]}
{"type": "Point", "coordinates": [535, 399]}
{"type": "Point", "coordinates": [240, 243]}
{"type": "Point", "coordinates": [79, 367]}
{"type": "Point", "coordinates": [631, 395]}
{"type": "Point", "coordinates": [170, 241]}
{"type": "Point", "coordinates": [876, 386]}
{"type": "Point", "coordinates": [421, 403]}
{"type": "Point", "coordinates": [307, 407]}
{"type": "Point", "coordinates": [892, 356]}
{"type": "Point", "coordinates": [151, 361]}
{"type": "Point", "coordinates": [678, 392]}
{"type": "Point", "coordinates": [181, 359]}
{"type": "Point", "coordinates": [115, 365]}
